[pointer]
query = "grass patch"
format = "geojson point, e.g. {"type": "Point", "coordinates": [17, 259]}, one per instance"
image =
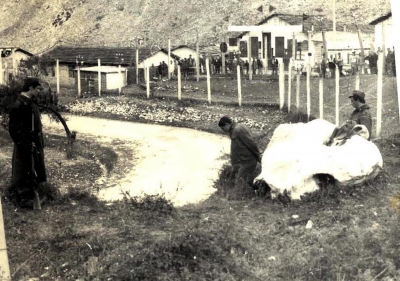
{"type": "Point", "coordinates": [355, 230]}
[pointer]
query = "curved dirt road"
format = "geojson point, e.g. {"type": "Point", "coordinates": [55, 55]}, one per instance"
{"type": "Point", "coordinates": [181, 163]}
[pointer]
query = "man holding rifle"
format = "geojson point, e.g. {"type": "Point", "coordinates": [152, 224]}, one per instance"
{"type": "Point", "coordinates": [25, 128]}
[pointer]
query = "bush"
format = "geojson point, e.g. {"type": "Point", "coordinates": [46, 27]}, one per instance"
{"type": "Point", "coordinates": [153, 208]}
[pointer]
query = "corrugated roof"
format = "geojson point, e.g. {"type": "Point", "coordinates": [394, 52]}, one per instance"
{"type": "Point", "coordinates": [90, 55]}
{"type": "Point", "coordinates": [381, 18]}
{"type": "Point", "coordinates": [108, 55]}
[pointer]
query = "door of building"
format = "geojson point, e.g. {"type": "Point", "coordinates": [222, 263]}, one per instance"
{"type": "Point", "coordinates": [279, 47]}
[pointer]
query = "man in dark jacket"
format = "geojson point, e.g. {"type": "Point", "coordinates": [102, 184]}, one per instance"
{"type": "Point", "coordinates": [25, 128]}
{"type": "Point", "coordinates": [244, 151]}
{"type": "Point", "coordinates": [361, 113]}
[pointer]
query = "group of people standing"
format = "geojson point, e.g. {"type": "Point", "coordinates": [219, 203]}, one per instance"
{"type": "Point", "coordinates": [368, 65]}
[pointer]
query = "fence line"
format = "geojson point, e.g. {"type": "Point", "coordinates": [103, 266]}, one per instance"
{"type": "Point", "coordinates": [281, 87]}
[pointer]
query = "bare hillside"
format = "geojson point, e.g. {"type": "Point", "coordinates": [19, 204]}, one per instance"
{"type": "Point", "coordinates": [38, 25]}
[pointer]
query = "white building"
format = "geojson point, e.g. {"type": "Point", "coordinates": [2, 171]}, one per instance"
{"type": "Point", "coordinates": [275, 35]}
{"type": "Point", "coordinates": [9, 61]}
{"type": "Point", "coordinates": [384, 33]}
{"type": "Point", "coordinates": [158, 57]}
{"type": "Point", "coordinates": [184, 52]}
{"type": "Point", "coordinates": [112, 77]}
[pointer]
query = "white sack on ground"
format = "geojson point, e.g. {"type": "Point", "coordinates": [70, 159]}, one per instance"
{"type": "Point", "coordinates": [297, 152]}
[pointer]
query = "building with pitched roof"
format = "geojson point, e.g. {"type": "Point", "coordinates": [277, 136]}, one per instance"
{"type": "Point", "coordinates": [384, 32]}
{"type": "Point", "coordinates": [10, 60]}
{"type": "Point", "coordinates": [276, 34]}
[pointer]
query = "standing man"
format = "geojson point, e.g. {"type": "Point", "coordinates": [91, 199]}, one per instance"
{"type": "Point", "coordinates": [323, 66]}
{"type": "Point", "coordinates": [25, 128]}
{"type": "Point", "coordinates": [361, 113]}
{"type": "Point", "coordinates": [244, 152]}
{"type": "Point", "coordinates": [332, 66]}
{"type": "Point", "coordinates": [275, 64]}
{"type": "Point", "coordinates": [373, 59]}
{"type": "Point", "coordinates": [389, 62]}
{"type": "Point", "coordinates": [260, 66]}
{"type": "Point", "coordinates": [340, 64]}
{"type": "Point", "coordinates": [353, 63]}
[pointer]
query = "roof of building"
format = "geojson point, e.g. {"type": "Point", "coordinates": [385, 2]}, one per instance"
{"type": "Point", "coordinates": [17, 49]}
{"type": "Point", "coordinates": [108, 55]}
{"type": "Point", "coordinates": [90, 55]}
{"type": "Point", "coordinates": [182, 46]}
{"type": "Point", "coordinates": [381, 18]}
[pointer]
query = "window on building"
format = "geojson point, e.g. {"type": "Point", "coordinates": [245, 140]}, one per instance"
{"type": "Point", "coordinates": [71, 71]}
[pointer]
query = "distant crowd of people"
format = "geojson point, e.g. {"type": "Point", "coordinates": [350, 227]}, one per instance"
{"type": "Point", "coordinates": [368, 65]}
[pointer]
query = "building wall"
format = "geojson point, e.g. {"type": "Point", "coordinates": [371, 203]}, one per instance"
{"type": "Point", "coordinates": [346, 41]}
{"type": "Point", "coordinates": [390, 35]}
{"type": "Point", "coordinates": [278, 28]}
{"type": "Point", "coordinates": [10, 65]}
{"type": "Point", "coordinates": [66, 80]}
{"type": "Point", "coordinates": [156, 59]}
{"type": "Point", "coordinates": [90, 82]}
{"type": "Point", "coordinates": [115, 80]}
{"type": "Point", "coordinates": [185, 52]}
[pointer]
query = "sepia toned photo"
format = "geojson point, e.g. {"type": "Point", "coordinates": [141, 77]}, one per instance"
{"type": "Point", "coordinates": [199, 140]}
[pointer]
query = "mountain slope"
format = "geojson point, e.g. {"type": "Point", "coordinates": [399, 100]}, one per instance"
{"type": "Point", "coordinates": [39, 25]}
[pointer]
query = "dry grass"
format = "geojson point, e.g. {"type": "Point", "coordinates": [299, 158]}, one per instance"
{"type": "Point", "coordinates": [354, 236]}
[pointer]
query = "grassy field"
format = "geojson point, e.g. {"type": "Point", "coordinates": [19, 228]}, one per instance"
{"type": "Point", "coordinates": [355, 233]}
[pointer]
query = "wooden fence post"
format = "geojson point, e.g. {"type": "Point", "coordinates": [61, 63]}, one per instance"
{"type": "Point", "coordinates": [281, 86]}
{"type": "Point", "coordinates": [137, 66]}
{"type": "Point", "coordinates": [99, 75]}
{"type": "Point", "coordinates": [321, 98]}
{"type": "Point", "coordinates": [58, 75]}
{"type": "Point", "coordinates": [308, 91]}
{"type": "Point", "coordinates": [208, 81]}
{"type": "Point", "coordinates": [179, 83]}
{"type": "Point", "coordinates": [169, 60]}
{"type": "Point", "coordinates": [357, 82]}
{"type": "Point", "coordinates": [1, 68]}
{"type": "Point", "coordinates": [379, 94]}
{"type": "Point", "coordinates": [120, 79]}
{"type": "Point", "coordinates": [337, 94]}
{"type": "Point", "coordinates": [239, 81]}
{"type": "Point", "coordinates": [298, 92]}
{"type": "Point", "coordinates": [148, 81]}
{"type": "Point", "coordinates": [79, 81]}
{"type": "Point", "coordinates": [4, 264]}
{"type": "Point", "coordinates": [289, 85]}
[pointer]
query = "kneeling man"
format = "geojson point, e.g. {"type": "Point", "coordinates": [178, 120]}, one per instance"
{"type": "Point", "coordinates": [244, 151]}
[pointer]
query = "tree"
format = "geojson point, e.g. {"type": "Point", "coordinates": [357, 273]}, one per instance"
{"type": "Point", "coordinates": [35, 66]}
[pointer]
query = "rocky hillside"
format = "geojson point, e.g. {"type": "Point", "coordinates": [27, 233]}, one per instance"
{"type": "Point", "coordinates": [39, 25]}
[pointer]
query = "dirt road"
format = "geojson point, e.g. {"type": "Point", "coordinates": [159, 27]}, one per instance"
{"type": "Point", "coordinates": [181, 163]}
